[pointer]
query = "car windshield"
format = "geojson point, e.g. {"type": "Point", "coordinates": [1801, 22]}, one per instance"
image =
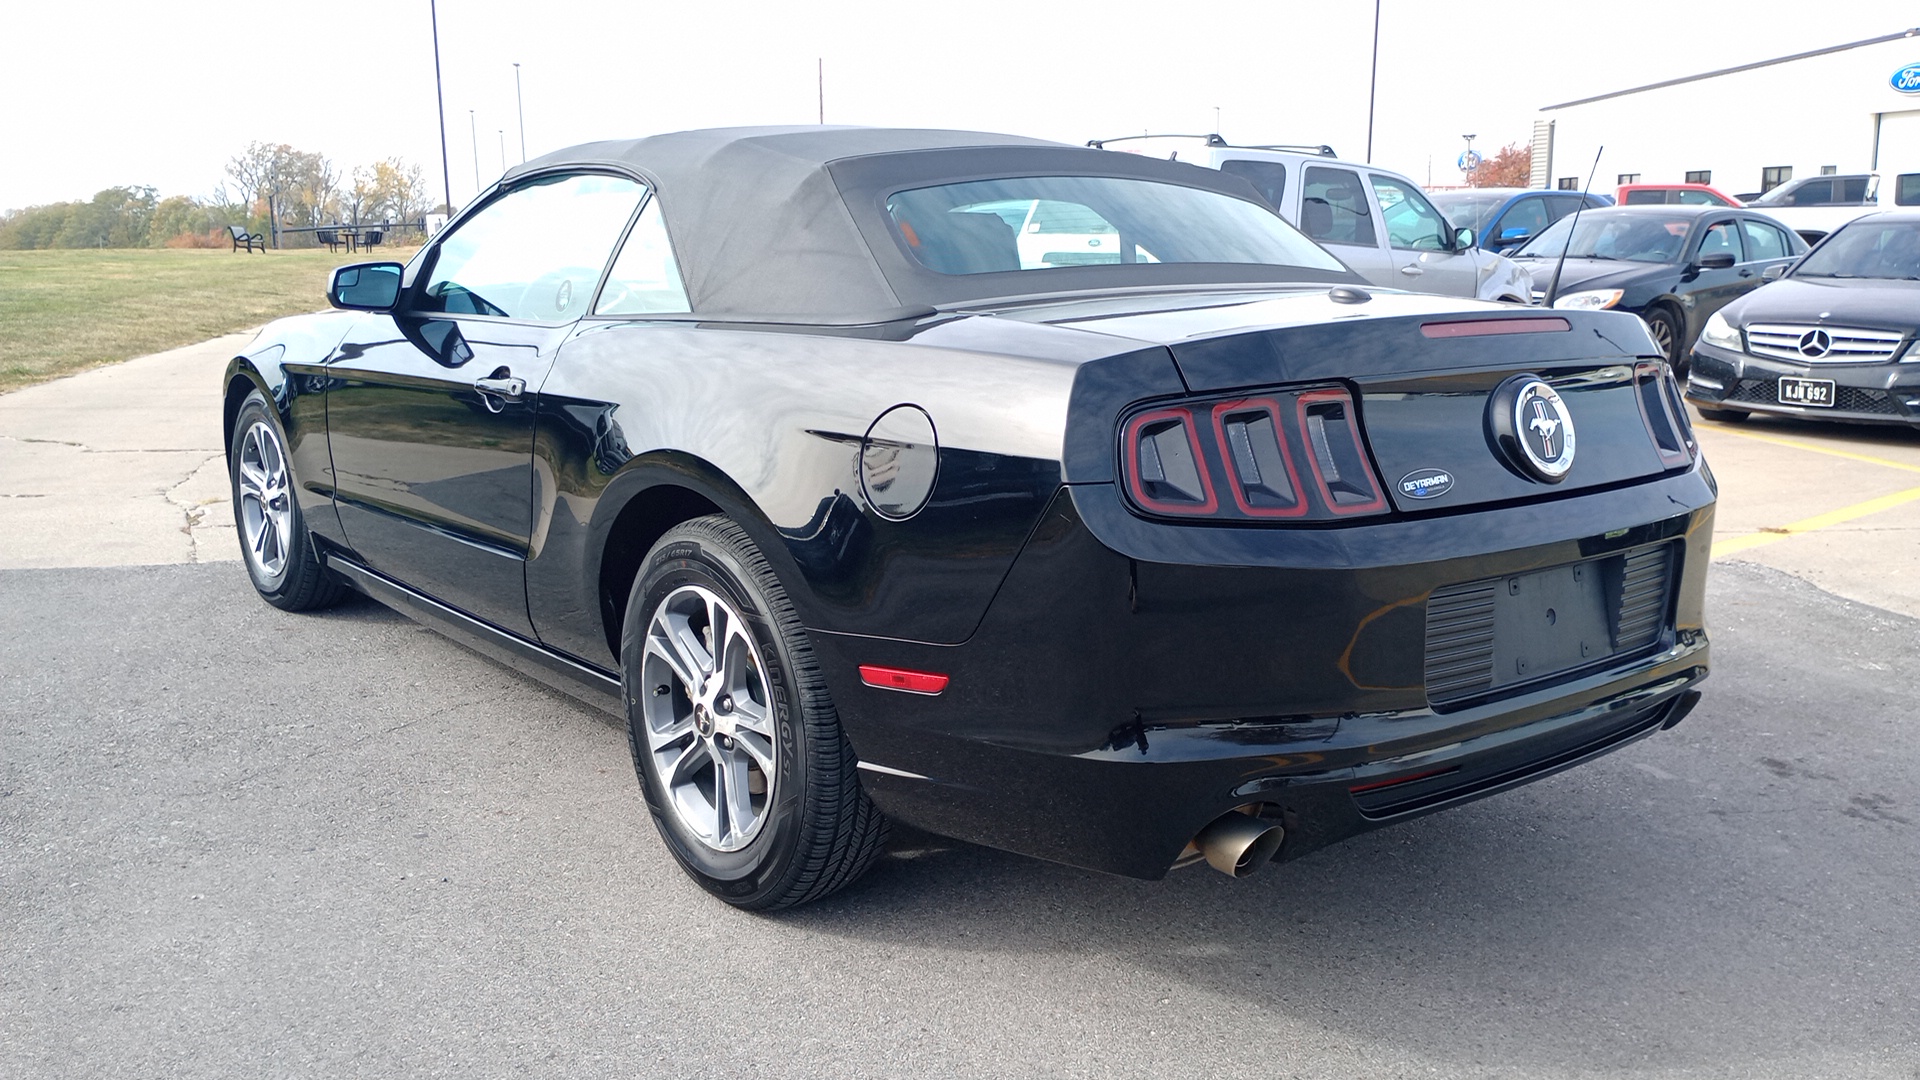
{"type": "Point", "coordinates": [1867, 249]}
{"type": "Point", "coordinates": [1634, 237]}
{"type": "Point", "coordinates": [1050, 222]}
{"type": "Point", "coordinates": [1467, 209]}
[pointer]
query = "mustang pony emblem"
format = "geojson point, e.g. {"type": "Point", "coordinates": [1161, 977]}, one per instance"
{"type": "Point", "coordinates": [1546, 426]}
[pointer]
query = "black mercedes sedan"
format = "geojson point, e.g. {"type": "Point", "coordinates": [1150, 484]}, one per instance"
{"type": "Point", "coordinates": [804, 455]}
{"type": "Point", "coordinates": [1671, 265]}
{"type": "Point", "coordinates": [1832, 339]}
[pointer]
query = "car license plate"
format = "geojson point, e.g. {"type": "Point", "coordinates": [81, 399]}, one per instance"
{"type": "Point", "coordinates": [1816, 392]}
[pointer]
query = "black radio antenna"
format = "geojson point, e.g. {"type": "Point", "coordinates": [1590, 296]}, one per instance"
{"type": "Point", "coordinates": [1553, 288]}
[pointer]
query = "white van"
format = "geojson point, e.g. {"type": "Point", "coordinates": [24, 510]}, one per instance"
{"type": "Point", "coordinates": [1377, 222]}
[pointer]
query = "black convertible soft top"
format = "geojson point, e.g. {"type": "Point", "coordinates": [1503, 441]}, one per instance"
{"type": "Point", "coordinates": [788, 224]}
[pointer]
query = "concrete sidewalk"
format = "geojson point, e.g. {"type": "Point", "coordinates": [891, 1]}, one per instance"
{"type": "Point", "coordinates": [122, 465]}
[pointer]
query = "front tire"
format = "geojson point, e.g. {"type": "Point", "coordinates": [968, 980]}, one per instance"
{"type": "Point", "coordinates": [1667, 334]}
{"type": "Point", "coordinates": [1723, 416]}
{"type": "Point", "coordinates": [739, 752]}
{"type": "Point", "coordinates": [274, 542]}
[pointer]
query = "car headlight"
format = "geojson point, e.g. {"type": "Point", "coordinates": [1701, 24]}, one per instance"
{"type": "Point", "coordinates": [1591, 300]}
{"type": "Point", "coordinates": [1720, 333]}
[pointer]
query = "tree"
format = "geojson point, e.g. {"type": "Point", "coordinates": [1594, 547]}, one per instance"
{"type": "Point", "coordinates": [1511, 167]}
{"type": "Point", "coordinates": [396, 191]}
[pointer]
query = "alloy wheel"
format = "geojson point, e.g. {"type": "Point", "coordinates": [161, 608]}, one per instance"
{"type": "Point", "coordinates": [707, 717]}
{"type": "Point", "coordinates": [266, 501]}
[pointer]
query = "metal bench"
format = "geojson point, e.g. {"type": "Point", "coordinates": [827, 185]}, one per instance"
{"type": "Point", "coordinates": [253, 241]}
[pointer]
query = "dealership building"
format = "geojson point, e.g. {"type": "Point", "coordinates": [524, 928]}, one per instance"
{"type": "Point", "coordinates": [1851, 108]}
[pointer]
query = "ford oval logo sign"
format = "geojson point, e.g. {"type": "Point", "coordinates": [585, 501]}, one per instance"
{"type": "Point", "coordinates": [1907, 79]}
{"type": "Point", "coordinates": [1426, 483]}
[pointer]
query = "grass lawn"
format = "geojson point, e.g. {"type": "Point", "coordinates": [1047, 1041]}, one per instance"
{"type": "Point", "coordinates": [66, 311]}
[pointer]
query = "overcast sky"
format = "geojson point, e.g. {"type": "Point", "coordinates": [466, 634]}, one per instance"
{"type": "Point", "coordinates": [99, 94]}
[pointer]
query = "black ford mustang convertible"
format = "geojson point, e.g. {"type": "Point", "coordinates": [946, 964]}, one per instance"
{"type": "Point", "coordinates": [1063, 501]}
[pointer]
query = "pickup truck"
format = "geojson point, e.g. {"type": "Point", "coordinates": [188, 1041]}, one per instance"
{"type": "Point", "coordinates": [1814, 206]}
{"type": "Point", "coordinates": [1377, 222]}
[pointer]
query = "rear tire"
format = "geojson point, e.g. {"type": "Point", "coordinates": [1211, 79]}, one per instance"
{"type": "Point", "coordinates": [274, 541]}
{"type": "Point", "coordinates": [739, 752]}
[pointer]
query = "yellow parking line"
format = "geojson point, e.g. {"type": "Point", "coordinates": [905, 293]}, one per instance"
{"type": "Point", "coordinates": [1817, 448]}
{"type": "Point", "coordinates": [1734, 544]}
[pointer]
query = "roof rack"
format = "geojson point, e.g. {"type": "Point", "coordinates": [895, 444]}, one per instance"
{"type": "Point", "coordinates": [1215, 141]}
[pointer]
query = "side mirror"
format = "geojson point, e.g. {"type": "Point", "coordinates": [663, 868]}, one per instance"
{"type": "Point", "coordinates": [365, 286]}
{"type": "Point", "coordinates": [1719, 260]}
{"type": "Point", "coordinates": [1463, 239]}
{"type": "Point", "coordinates": [1774, 272]}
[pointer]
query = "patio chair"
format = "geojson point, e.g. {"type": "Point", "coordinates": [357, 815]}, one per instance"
{"type": "Point", "coordinates": [329, 237]}
{"type": "Point", "coordinates": [370, 239]}
{"type": "Point", "coordinates": [252, 241]}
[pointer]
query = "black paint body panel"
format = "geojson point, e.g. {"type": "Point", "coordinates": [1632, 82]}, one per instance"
{"type": "Point", "coordinates": [1117, 682]}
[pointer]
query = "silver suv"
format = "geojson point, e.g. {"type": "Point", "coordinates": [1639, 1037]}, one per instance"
{"type": "Point", "coordinates": [1377, 222]}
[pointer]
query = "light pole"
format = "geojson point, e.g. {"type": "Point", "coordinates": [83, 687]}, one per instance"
{"type": "Point", "coordinates": [473, 136]}
{"type": "Point", "coordinates": [1373, 80]}
{"type": "Point", "coordinates": [440, 99]}
{"type": "Point", "coordinates": [503, 150]}
{"type": "Point", "coordinates": [520, 105]}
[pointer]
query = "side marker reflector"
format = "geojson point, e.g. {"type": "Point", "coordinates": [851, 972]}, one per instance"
{"type": "Point", "coordinates": [912, 682]}
{"type": "Point", "coordinates": [1378, 784]}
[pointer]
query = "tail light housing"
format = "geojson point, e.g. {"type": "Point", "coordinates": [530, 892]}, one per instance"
{"type": "Point", "coordinates": [1665, 414]}
{"type": "Point", "coordinates": [1297, 455]}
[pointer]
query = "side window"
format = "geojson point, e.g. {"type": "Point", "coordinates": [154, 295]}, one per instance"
{"type": "Point", "coordinates": [1645, 197]}
{"type": "Point", "coordinates": [1527, 216]}
{"type": "Point", "coordinates": [1412, 222]}
{"type": "Point", "coordinates": [1333, 207]}
{"type": "Point", "coordinates": [1851, 190]}
{"type": "Point", "coordinates": [1699, 198]}
{"type": "Point", "coordinates": [534, 253]}
{"type": "Point", "coordinates": [1812, 193]}
{"type": "Point", "coordinates": [1721, 236]}
{"type": "Point", "coordinates": [1763, 241]}
{"type": "Point", "coordinates": [645, 279]}
{"type": "Point", "coordinates": [1269, 178]}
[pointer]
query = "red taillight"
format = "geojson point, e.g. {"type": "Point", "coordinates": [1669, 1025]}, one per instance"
{"type": "Point", "coordinates": [1339, 462]}
{"type": "Point", "coordinates": [1174, 458]}
{"type": "Point", "coordinates": [892, 678]}
{"type": "Point", "coordinates": [1168, 473]}
{"type": "Point", "coordinates": [1263, 480]}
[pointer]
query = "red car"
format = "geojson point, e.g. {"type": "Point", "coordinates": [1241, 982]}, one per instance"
{"type": "Point", "coordinates": [1687, 194]}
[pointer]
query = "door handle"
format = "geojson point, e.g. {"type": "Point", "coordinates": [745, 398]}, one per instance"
{"type": "Point", "coordinates": [501, 385]}
{"type": "Point", "coordinates": [1411, 271]}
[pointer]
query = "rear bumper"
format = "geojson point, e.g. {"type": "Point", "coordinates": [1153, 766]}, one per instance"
{"type": "Point", "coordinates": [1112, 703]}
{"type": "Point", "coordinates": [1880, 393]}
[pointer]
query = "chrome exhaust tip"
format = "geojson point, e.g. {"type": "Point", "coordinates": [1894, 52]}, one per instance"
{"type": "Point", "coordinates": [1237, 844]}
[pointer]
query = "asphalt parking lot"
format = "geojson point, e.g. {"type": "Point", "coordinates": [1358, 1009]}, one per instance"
{"type": "Point", "coordinates": [240, 842]}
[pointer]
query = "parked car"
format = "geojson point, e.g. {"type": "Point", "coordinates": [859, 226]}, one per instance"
{"type": "Point", "coordinates": [1671, 265]}
{"type": "Point", "coordinates": [1832, 339]}
{"type": "Point", "coordinates": [777, 445]}
{"type": "Point", "coordinates": [1672, 194]}
{"type": "Point", "coordinates": [1505, 218]}
{"type": "Point", "coordinates": [1377, 222]}
{"type": "Point", "coordinates": [1814, 206]}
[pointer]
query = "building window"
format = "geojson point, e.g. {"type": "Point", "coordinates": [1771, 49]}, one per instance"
{"type": "Point", "coordinates": [1628, 178]}
{"type": "Point", "coordinates": [1774, 175]}
{"type": "Point", "coordinates": [1700, 176]}
{"type": "Point", "coordinates": [1569, 183]}
{"type": "Point", "coordinates": [1829, 170]}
